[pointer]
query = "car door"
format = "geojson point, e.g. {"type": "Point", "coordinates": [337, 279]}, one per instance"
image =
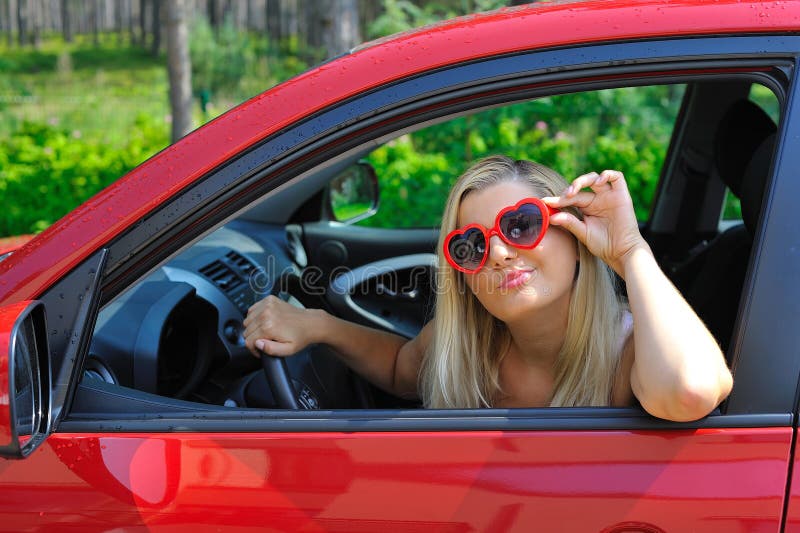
{"type": "Point", "coordinates": [599, 469]}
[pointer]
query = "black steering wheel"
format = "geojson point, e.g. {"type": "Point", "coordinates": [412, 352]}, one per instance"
{"type": "Point", "coordinates": [275, 368]}
{"type": "Point", "coordinates": [322, 379]}
{"type": "Point", "coordinates": [280, 381]}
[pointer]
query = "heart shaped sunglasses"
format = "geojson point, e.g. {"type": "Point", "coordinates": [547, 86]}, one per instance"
{"type": "Point", "coordinates": [521, 225]}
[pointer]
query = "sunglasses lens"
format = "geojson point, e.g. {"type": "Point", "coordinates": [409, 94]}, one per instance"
{"type": "Point", "coordinates": [467, 250]}
{"type": "Point", "coordinates": [523, 225]}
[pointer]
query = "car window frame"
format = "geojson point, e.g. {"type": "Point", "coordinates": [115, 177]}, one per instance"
{"type": "Point", "coordinates": [230, 189]}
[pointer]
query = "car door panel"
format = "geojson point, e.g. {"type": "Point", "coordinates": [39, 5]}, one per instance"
{"type": "Point", "coordinates": [363, 245]}
{"type": "Point", "coordinates": [664, 480]}
{"type": "Point", "coordinates": [378, 277]}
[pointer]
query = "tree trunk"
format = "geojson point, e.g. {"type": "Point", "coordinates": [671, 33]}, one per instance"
{"type": "Point", "coordinates": [289, 19]}
{"type": "Point", "coordinates": [342, 30]}
{"type": "Point", "coordinates": [118, 25]}
{"type": "Point", "coordinates": [94, 16]}
{"type": "Point", "coordinates": [131, 24]}
{"type": "Point", "coordinates": [66, 27]}
{"type": "Point", "coordinates": [273, 21]}
{"type": "Point", "coordinates": [156, 20]}
{"type": "Point", "coordinates": [318, 20]}
{"type": "Point", "coordinates": [250, 20]}
{"type": "Point", "coordinates": [368, 11]}
{"type": "Point", "coordinates": [10, 13]}
{"type": "Point", "coordinates": [143, 23]}
{"type": "Point", "coordinates": [215, 13]}
{"type": "Point", "coordinates": [180, 68]}
{"type": "Point", "coordinates": [35, 17]}
{"type": "Point", "coordinates": [22, 22]}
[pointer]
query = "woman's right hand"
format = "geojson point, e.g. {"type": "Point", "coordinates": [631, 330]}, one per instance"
{"type": "Point", "coordinates": [278, 328]}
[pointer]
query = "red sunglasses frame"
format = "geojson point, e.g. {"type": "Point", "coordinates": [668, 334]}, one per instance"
{"type": "Point", "coordinates": [545, 209]}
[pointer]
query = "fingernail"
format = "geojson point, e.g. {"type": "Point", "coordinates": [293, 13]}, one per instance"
{"type": "Point", "coordinates": [569, 189]}
{"type": "Point", "coordinates": [260, 344]}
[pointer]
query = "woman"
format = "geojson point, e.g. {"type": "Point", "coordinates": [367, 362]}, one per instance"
{"type": "Point", "coordinates": [527, 314]}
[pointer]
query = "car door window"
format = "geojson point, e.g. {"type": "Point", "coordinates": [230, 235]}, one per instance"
{"type": "Point", "coordinates": [625, 128]}
{"type": "Point", "coordinates": [209, 287]}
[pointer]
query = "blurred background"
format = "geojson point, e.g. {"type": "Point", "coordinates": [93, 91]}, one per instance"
{"type": "Point", "coordinates": [91, 88]}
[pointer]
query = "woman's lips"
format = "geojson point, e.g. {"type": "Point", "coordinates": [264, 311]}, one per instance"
{"type": "Point", "coordinates": [515, 278]}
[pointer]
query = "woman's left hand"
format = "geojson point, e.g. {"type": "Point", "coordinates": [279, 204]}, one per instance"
{"type": "Point", "coordinates": [609, 228]}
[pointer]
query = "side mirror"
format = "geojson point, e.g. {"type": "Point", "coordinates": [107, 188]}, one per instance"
{"type": "Point", "coordinates": [353, 194]}
{"type": "Point", "coordinates": [24, 379]}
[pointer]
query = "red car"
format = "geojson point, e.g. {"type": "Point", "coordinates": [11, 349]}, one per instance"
{"type": "Point", "coordinates": [128, 401]}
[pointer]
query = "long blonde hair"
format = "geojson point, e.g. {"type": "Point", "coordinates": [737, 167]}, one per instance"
{"type": "Point", "coordinates": [462, 364]}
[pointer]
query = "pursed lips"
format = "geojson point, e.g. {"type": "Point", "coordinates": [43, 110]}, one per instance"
{"type": "Point", "coordinates": [515, 278]}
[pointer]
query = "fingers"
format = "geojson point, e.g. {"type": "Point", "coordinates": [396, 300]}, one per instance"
{"type": "Point", "coordinates": [608, 179]}
{"type": "Point", "coordinates": [260, 307]}
{"type": "Point", "coordinates": [270, 347]}
{"type": "Point", "coordinates": [571, 223]}
{"type": "Point", "coordinates": [261, 340]}
{"type": "Point", "coordinates": [580, 199]}
{"type": "Point", "coordinates": [614, 178]}
{"type": "Point", "coordinates": [260, 326]}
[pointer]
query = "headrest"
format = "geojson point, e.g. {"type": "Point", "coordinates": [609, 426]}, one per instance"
{"type": "Point", "coordinates": [754, 182]}
{"type": "Point", "coordinates": [740, 133]}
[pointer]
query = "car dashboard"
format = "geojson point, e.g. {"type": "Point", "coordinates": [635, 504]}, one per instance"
{"type": "Point", "coordinates": [178, 333]}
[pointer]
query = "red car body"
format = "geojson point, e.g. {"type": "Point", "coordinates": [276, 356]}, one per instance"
{"type": "Point", "coordinates": [724, 474]}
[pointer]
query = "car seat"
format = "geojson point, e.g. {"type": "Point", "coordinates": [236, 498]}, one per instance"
{"type": "Point", "coordinates": [744, 143]}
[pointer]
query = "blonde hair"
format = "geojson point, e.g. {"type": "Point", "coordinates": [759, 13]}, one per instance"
{"type": "Point", "coordinates": [462, 364]}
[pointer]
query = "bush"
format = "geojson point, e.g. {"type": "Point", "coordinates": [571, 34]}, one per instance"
{"type": "Point", "coordinates": [46, 171]}
{"type": "Point", "coordinates": [219, 59]}
{"type": "Point", "coordinates": [625, 129]}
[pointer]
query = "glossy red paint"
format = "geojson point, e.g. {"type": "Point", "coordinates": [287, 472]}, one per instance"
{"type": "Point", "coordinates": [29, 272]}
{"type": "Point", "coordinates": [8, 318]}
{"type": "Point", "coordinates": [9, 244]}
{"type": "Point", "coordinates": [680, 480]}
{"type": "Point", "coordinates": [793, 505]}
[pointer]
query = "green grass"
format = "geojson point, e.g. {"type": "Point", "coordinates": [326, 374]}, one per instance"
{"type": "Point", "coordinates": [94, 92]}
{"type": "Point", "coordinates": [98, 92]}
{"type": "Point", "coordinates": [74, 117]}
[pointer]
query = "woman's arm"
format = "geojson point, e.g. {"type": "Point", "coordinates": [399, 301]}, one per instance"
{"type": "Point", "coordinates": [678, 371]}
{"type": "Point", "coordinates": [389, 361]}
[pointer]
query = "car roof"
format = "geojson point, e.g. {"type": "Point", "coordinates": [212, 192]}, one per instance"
{"type": "Point", "coordinates": [511, 30]}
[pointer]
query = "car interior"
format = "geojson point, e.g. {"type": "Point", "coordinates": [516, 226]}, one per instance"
{"type": "Point", "coordinates": [173, 340]}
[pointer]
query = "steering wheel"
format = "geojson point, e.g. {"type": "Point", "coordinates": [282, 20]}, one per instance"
{"type": "Point", "coordinates": [280, 382]}
{"type": "Point", "coordinates": [323, 380]}
{"type": "Point", "coordinates": [275, 368]}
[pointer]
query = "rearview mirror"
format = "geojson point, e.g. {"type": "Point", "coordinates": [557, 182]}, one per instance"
{"type": "Point", "coordinates": [353, 194]}
{"type": "Point", "coordinates": [24, 379]}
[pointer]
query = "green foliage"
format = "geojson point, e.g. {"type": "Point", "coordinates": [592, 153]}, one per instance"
{"type": "Point", "coordinates": [404, 15]}
{"type": "Point", "coordinates": [45, 171]}
{"type": "Point", "coordinates": [625, 129]}
{"type": "Point", "coordinates": [398, 16]}
{"type": "Point", "coordinates": [219, 58]}
{"type": "Point", "coordinates": [114, 101]}
{"type": "Point", "coordinates": [230, 65]}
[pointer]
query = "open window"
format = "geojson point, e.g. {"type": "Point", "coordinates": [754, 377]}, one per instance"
{"type": "Point", "coordinates": [171, 341]}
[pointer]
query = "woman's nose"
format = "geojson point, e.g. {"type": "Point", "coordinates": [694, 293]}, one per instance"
{"type": "Point", "coordinates": [500, 252]}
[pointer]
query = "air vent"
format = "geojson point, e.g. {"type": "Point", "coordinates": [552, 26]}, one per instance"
{"type": "Point", "coordinates": [240, 262]}
{"type": "Point", "coordinates": [231, 274]}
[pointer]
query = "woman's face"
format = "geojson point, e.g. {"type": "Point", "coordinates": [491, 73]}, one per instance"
{"type": "Point", "coordinates": [515, 281]}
